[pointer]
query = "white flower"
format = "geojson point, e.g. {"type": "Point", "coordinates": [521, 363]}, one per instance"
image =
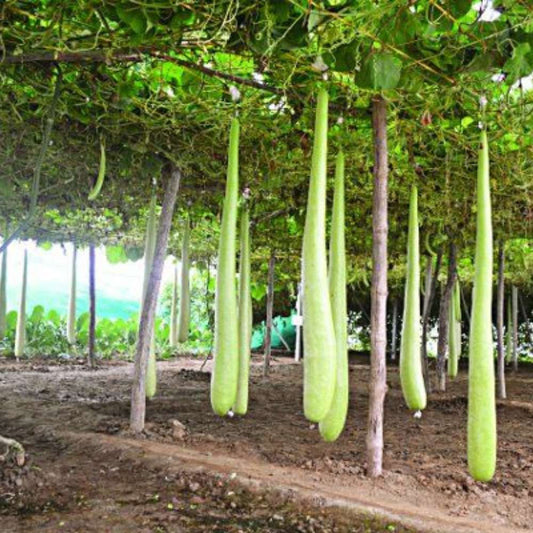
{"type": "Point", "coordinates": [257, 76]}
{"type": "Point", "coordinates": [235, 93]}
{"type": "Point", "coordinates": [319, 64]}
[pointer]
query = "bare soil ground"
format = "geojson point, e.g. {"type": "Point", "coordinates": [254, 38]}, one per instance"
{"type": "Point", "coordinates": [268, 471]}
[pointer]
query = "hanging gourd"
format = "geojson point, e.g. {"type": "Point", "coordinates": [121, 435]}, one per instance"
{"type": "Point", "coordinates": [20, 332]}
{"type": "Point", "coordinates": [173, 334]}
{"type": "Point", "coordinates": [245, 313]}
{"type": "Point", "coordinates": [95, 191]}
{"type": "Point", "coordinates": [454, 332]}
{"type": "Point", "coordinates": [481, 441]}
{"type": "Point", "coordinates": [225, 372]}
{"type": "Point", "coordinates": [332, 424]}
{"type": "Point", "coordinates": [411, 376]}
{"type": "Point", "coordinates": [320, 359]}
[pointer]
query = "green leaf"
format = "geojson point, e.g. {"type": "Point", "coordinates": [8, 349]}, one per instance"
{"type": "Point", "coordinates": [45, 245]}
{"type": "Point", "coordinates": [381, 71]}
{"type": "Point", "coordinates": [115, 254]}
{"type": "Point", "coordinates": [521, 62]}
{"type": "Point", "coordinates": [182, 17]}
{"type": "Point", "coordinates": [459, 8]}
{"type": "Point", "coordinates": [258, 291]}
{"type": "Point", "coordinates": [37, 313]}
{"type": "Point", "coordinates": [343, 58]}
{"type": "Point", "coordinates": [134, 18]}
{"type": "Point", "coordinates": [134, 253]}
{"type": "Point", "coordinates": [82, 323]}
{"type": "Point", "coordinates": [466, 121]}
{"type": "Point", "coordinates": [54, 317]}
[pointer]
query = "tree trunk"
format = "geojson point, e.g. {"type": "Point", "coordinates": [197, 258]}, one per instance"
{"type": "Point", "coordinates": [378, 322]}
{"type": "Point", "coordinates": [442, 345]}
{"type": "Point", "coordinates": [394, 334]}
{"type": "Point", "coordinates": [429, 297]}
{"type": "Point", "coordinates": [525, 317]}
{"type": "Point", "coordinates": [514, 303]}
{"type": "Point", "coordinates": [466, 312]}
{"type": "Point", "coordinates": [523, 307]}
{"type": "Point", "coordinates": [502, 394]}
{"type": "Point", "coordinates": [269, 312]}
{"type": "Point", "coordinates": [138, 397]}
{"type": "Point", "coordinates": [71, 317]}
{"type": "Point", "coordinates": [92, 306]}
{"type": "Point", "coordinates": [3, 289]}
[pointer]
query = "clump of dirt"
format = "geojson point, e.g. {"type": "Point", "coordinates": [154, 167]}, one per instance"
{"type": "Point", "coordinates": [194, 375]}
{"type": "Point", "coordinates": [17, 482]}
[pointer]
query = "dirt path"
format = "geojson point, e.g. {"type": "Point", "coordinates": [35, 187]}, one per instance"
{"type": "Point", "coordinates": [366, 499]}
{"type": "Point", "coordinates": [425, 488]}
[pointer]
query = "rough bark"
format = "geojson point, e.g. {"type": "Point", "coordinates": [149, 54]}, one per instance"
{"type": "Point", "coordinates": [269, 312]}
{"type": "Point", "coordinates": [429, 297]}
{"type": "Point", "coordinates": [378, 334]}
{"type": "Point", "coordinates": [138, 398]}
{"type": "Point", "coordinates": [394, 333]}
{"type": "Point", "coordinates": [514, 305]}
{"type": "Point", "coordinates": [466, 311]}
{"type": "Point", "coordinates": [525, 317]}
{"type": "Point", "coordinates": [442, 344]}
{"type": "Point", "coordinates": [502, 394]}
{"type": "Point", "coordinates": [92, 306]}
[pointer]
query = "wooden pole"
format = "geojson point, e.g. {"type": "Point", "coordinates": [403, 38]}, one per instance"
{"type": "Point", "coordinates": [378, 322]}
{"type": "Point", "coordinates": [502, 394]}
{"type": "Point", "coordinates": [146, 326]}
{"type": "Point", "coordinates": [514, 304]}
{"type": "Point", "coordinates": [269, 312]}
{"type": "Point", "coordinates": [92, 306]}
{"type": "Point", "coordinates": [394, 333]}
{"type": "Point", "coordinates": [429, 297]}
{"type": "Point", "coordinates": [444, 314]}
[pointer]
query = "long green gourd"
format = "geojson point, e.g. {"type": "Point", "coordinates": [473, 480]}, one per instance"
{"type": "Point", "coordinates": [71, 317]}
{"type": "Point", "coordinates": [245, 326]}
{"type": "Point", "coordinates": [149, 250]}
{"type": "Point", "coordinates": [3, 295]}
{"type": "Point", "coordinates": [332, 424]}
{"type": "Point", "coordinates": [411, 376]}
{"type": "Point", "coordinates": [320, 360]}
{"type": "Point", "coordinates": [185, 297]}
{"type": "Point", "coordinates": [481, 441]}
{"type": "Point", "coordinates": [458, 318]}
{"type": "Point", "coordinates": [453, 341]}
{"type": "Point", "coordinates": [173, 335]}
{"type": "Point", "coordinates": [20, 332]}
{"type": "Point", "coordinates": [95, 191]}
{"type": "Point", "coordinates": [226, 357]}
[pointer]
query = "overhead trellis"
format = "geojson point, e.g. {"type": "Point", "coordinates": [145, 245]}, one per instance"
{"type": "Point", "coordinates": [156, 80]}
